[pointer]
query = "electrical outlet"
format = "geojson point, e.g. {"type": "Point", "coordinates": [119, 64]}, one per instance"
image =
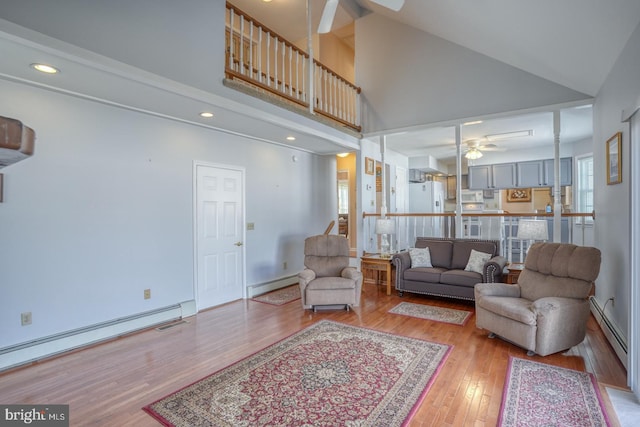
{"type": "Point", "coordinates": [284, 265]}
{"type": "Point", "coordinates": [147, 293]}
{"type": "Point", "coordinates": [25, 318]}
{"type": "Point", "coordinates": [251, 226]}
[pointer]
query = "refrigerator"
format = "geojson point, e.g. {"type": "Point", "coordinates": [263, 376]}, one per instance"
{"type": "Point", "coordinates": [426, 197]}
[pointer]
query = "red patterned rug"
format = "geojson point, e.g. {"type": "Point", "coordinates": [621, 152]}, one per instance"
{"type": "Point", "coordinates": [280, 296]}
{"type": "Point", "coordinates": [329, 374]}
{"type": "Point", "coordinates": [537, 394]}
{"type": "Point", "coordinates": [430, 312]}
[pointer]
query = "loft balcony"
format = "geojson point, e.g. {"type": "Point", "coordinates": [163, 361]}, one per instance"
{"type": "Point", "coordinates": [262, 63]}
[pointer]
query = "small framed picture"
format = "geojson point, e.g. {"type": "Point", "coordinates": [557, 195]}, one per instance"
{"type": "Point", "coordinates": [369, 165]}
{"type": "Point", "coordinates": [614, 159]}
{"type": "Point", "coordinates": [519, 195]}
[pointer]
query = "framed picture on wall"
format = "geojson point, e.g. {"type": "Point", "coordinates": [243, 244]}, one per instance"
{"type": "Point", "coordinates": [614, 159]}
{"type": "Point", "coordinates": [368, 165]}
{"type": "Point", "coordinates": [519, 195]}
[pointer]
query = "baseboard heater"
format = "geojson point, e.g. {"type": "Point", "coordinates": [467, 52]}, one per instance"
{"type": "Point", "coordinates": [31, 351]}
{"type": "Point", "coordinates": [611, 332]}
{"type": "Point", "coordinates": [265, 287]}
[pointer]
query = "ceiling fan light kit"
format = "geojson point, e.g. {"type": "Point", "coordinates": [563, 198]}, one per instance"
{"type": "Point", "coordinates": [473, 154]}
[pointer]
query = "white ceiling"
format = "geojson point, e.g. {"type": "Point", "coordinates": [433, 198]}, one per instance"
{"type": "Point", "coordinates": [570, 42]}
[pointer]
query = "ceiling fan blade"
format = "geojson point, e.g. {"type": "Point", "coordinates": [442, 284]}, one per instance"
{"type": "Point", "coordinates": [394, 5]}
{"type": "Point", "coordinates": [329, 12]}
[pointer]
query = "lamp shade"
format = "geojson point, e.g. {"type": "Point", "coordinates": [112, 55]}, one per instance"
{"type": "Point", "coordinates": [385, 226]}
{"type": "Point", "coordinates": [533, 229]}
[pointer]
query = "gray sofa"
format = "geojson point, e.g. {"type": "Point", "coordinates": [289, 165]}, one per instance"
{"type": "Point", "coordinates": [447, 276]}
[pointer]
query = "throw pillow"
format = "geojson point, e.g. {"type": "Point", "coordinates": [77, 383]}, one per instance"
{"type": "Point", "coordinates": [476, 261]}
{"type": "Point", "coordinates": [420, 257]}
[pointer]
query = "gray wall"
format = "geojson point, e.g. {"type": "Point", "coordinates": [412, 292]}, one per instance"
{"type": "Point", "coordinates": [104, 210]}
{"type": "Point", "coordinates": [441, 81]}
{"type": "Point", "coordinates": [620, 91]}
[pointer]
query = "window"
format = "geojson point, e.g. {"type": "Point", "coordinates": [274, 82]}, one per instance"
{"type": "Point", "coordinates": [584, 190]}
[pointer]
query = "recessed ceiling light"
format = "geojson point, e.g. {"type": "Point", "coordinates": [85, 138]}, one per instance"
{"type": "Point", "coordinates": [475, 122]}
{"type": "Point", "coordinates": [44, 68]}
{"type": "Point", "coordinates": [291, 138]}
{"type": "Point", "coordinates": [342, 154]}
{"type": "Point", "coordinates": [206, 114]}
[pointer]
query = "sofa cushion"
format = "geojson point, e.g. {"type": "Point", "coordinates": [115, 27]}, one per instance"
{"type": "Point", "coordinates": [420, 257]}
{"type": "Point", "coordinates": [424, 274]}
{"type": "Point", "coordinates": [559, 270]}
{"type": "Point", "coordinates": [517, 309]}
{"type": "Point", "coordinates": [462, 251]}
{"type": "Point", "coordinates": [460, 278]}
{"type": "Point", "coordinates": [440, 251]}
{"type": "Point", "coordinates": [329, 283]}
{"type": "Point", "coordinates": [477, 261]}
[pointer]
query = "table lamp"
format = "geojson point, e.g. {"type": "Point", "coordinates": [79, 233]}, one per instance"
{"type": "Point", "coordinates": [532, 230]}
{"type": "Point", "coordinates": [385, 227]}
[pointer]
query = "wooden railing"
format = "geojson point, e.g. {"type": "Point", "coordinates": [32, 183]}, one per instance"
{"type": "Point", "coordinates": [497, 226]}
{"type": "Point", "coordinates": [261, 58]}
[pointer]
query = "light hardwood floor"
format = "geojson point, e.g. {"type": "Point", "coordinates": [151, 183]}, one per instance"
{"type": "Point", "coordinates": [108, 384]}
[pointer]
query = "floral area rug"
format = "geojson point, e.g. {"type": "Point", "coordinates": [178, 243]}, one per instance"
{"type": "Point", "coordinates": [438, 314]}
{"type": "Point", "coordinates": [280, 296]}
{"type": "Point", "coordinates": [537, 394]}
{"type": "Point", "coordinates": [329, 374]}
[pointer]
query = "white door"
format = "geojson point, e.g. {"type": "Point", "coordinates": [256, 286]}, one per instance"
{"type": "Point", "coordinates": [219, 234]}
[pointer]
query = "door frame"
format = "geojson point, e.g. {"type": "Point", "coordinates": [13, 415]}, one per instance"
{"type": "Point", "coordinates": [194, 233]}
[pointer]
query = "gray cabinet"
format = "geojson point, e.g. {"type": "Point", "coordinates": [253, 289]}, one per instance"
{"type": "Point", "coordinates": [492, 177]}
{"type": "Point", "coordinates": [480, 177]}
{"type": "Point", "coordinates": [530, 174]}
{"type": "Point", "coordinates": [566, 172]}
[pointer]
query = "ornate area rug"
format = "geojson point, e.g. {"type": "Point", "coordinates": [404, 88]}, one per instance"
{"type": "Point", "coordinates": [280, 296]}
{"type": "Point", "coordinates": [439, 314]}
{"type": "Point", "coordinates": [537, 394]}
{"type": "Point", "coordinates": [329, 374]}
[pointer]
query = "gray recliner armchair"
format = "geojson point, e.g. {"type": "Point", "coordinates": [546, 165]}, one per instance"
{"type": "Point", "coordinates": [327, 278]}
{"type": "Point", "coordinates": [548, 309]}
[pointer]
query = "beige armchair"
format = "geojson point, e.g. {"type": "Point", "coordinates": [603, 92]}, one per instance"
{"type": "Point", "coordinates": [547, 310]}
{"type": "Point", "coordinates": [327, 278]}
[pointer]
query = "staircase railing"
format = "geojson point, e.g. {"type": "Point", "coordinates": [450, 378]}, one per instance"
{"type": "Point", "coordinates": [260, 57]}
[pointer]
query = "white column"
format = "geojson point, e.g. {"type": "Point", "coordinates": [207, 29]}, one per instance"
{"type": "Point", "coordinates": [557, 197]}
{"type": "Point", "coordinates": [383, 202]}
{"type": "Point", "coordinates": [458, 182]}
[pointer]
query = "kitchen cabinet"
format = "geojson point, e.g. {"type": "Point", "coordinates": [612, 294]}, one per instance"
{"type": "Point", "coordinates": [490, 177]}
{"type": "Point", "coordinates": [452, 185]}
{"type": "Point", "coordinates": [540, 173]}
{"type": "Point", "coordinates": [566, 172]}
{"type": "Point", "coordinates": [531, 174]}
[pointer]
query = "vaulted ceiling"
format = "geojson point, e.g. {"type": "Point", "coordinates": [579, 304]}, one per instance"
{"type": "Point", "coordinates": [574, 43]}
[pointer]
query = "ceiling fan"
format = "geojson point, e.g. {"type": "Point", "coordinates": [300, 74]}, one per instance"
{"type": "Point", "coordinates": [330, 7]}
{"type": "Point", "coordinates": [474, 148]}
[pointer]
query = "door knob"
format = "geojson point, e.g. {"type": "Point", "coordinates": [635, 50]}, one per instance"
{"type": "Point", "coordinates": [238, 243]}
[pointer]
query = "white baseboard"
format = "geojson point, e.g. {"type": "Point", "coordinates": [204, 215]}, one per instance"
{"type": "Point", "coordinates": [262, 288]}
{"type": "Point", "coordinates": [28, 352]}
{"type": "Point", "coordinates": [611, 332]}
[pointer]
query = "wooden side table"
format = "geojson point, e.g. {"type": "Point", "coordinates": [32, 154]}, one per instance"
{"type": "Point", "coordinates": [515, 269]}
{"type": "Point", "coordinates": [375, 262]}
